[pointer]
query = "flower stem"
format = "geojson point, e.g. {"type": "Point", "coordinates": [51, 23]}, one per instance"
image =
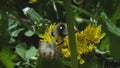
{"type": "Point", "coordinates": [70, 26]}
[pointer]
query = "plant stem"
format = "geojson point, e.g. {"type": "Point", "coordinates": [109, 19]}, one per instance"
{"type": "Point", "coordinates": [70, 26]}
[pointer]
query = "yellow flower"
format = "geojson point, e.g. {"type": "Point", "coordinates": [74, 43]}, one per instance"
{"type": "Point", "coordinates": [66, 52]}
{"type": "Point", "coordinates": [93, 33]}
{"type": "Point", "coordinates": [47, 37]}
{"type": "Point", "coordinates": [82, 61]}
{"type": "Point", "coordinates": [85, 41]}
{"type": "Point", "coordinates": [33, 1]}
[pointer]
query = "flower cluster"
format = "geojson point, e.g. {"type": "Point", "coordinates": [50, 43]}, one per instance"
{"type": "Point", "coordinates": [85, 41]}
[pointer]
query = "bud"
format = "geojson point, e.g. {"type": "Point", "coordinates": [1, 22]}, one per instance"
{"type": "Point", "coordinates": [38, 22]}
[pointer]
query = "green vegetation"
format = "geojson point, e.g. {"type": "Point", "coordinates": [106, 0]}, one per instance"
{"type": "Point", "coordinates": [22, 34]}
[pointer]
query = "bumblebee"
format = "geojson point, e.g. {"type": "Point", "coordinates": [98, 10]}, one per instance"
{"type": "Point", "coordinates": [49, 49]}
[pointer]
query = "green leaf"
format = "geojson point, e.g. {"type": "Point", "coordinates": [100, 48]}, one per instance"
{"type": "Point", "coordinates": [16, 32]}
{"type": "Point", "coordinates": [29, 33]}
{"type": "Point", "coordinates": [6, 57]}
{"type": "Point", "coordinates": [114, 35]}
{"type": "Point", "coordinates": [116, 15]}
{"type": "Point", "coordinates": [14, 27]}
{"type": "Point", "coordinates": [54, 6]}
{"type": "Point", "coordinates": [115, 48]}
{"type": "Point", "coordinates": [12, 40]}
{"type": "Point", "coordinates": [32, 52]}
{"type": "Point", "coordinates": [105, 44]}
{"type": "Point", "coordinates": [24, 53]}
{"type": "Point", "coordinates": [21, 50]}
{"type": "Point", "coordinates": [12, 24]}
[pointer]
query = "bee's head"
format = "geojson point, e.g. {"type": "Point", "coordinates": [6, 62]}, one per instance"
{"type": "Point", "coordinates": [60, 30]}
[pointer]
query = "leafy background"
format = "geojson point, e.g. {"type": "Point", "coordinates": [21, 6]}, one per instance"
{"type": "Point", "coordinates": [18, 43]}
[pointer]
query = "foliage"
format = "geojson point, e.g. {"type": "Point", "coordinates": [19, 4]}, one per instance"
{"type": "Point", "coordinates": [19, 41]}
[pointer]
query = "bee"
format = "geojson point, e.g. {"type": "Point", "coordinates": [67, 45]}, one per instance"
{"type": "Point", "coordinates": [49, 49]}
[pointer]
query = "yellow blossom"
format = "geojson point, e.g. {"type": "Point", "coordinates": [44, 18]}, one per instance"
{"type": "Point", "coordinates": [47, 37]}
{"type": "Point", "coordinates": [82, 61]}
{"type": "Point", "coordinates": [85, 41]}
{"type": "Point", "coordinates": [93, 33]}
{"type": "Point", "coordinates": [33, 1]}
{"type": "Point", "coordinates": [66, 52]}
